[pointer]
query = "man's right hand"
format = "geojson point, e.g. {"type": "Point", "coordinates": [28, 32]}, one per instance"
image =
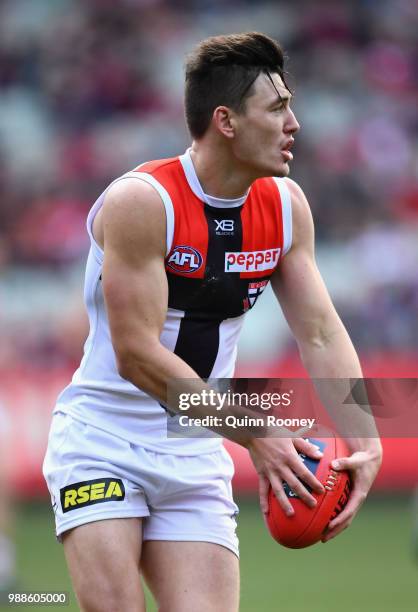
{"type": "Point", "coordinates": [276, 461]}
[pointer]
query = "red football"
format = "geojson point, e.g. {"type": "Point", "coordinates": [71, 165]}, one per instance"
{"type": "Point", "coordinates": [307, 525]}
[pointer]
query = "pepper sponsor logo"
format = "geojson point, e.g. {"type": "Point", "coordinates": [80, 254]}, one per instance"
{"type": "Point", "coordinates": [184, 259]}
{"type": "Point", "coordinates": [251, 261]}
{"type": "Point", "coordinates": [90, 492]}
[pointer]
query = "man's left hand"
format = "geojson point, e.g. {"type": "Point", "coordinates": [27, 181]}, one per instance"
{"type": "Point", "coordinates": [363, 467]}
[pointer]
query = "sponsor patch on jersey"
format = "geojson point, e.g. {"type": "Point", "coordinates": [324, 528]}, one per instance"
{"type": "Point", "coordinates": [251, 261]}
{"type": "Point", "coordinates": [90, 492]}
{"type": "Point", "coordinates": [184, 259]}
{"type": "Point", "coordinates": [224, 227]}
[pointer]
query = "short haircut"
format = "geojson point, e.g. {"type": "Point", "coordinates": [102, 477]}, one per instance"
{"type": "Point", "coordinates": [221, 71]}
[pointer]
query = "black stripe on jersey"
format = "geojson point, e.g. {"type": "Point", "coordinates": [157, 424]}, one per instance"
{"type": "Point", "coordinates": [198, 339]}
{"type": "Point", "coordinates": [198, 343]}
{"type": "Point", "coordinates": [220, 241]}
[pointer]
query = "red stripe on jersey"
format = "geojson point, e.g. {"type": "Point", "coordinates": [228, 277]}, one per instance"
{"type": "Point", "coordinates": [190, 241]}
{"type": "Point", "coordinates": [192, 233]}
{"type": "Point", "coordinates": [262, 222]}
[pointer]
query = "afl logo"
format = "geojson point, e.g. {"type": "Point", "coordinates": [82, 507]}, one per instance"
{"type": "Point", "coordinates": [184, 259]}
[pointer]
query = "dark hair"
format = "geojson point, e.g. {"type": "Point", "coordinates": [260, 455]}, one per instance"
{"type": "Point", "coordinates": [222, 70]}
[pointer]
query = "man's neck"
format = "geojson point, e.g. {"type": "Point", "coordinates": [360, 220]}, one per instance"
{"type": "Point", "coordinates": [218, 175]}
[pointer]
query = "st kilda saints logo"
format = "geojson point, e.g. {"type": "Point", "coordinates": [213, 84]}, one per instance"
{"type": "Point", "coordinates": [254, 291]}
{"type": "Point", "coordinates": [184, 259]}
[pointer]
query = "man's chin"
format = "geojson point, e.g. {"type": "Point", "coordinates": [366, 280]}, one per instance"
{"type": "Point", "coordinates": [282, 170]}
{"type": "Point", "coordinates": [279, 170]}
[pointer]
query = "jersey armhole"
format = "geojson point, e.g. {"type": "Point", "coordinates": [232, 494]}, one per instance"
{"type": "Point", "coordinates": [168, 206]}
{"type": "Point", "coordinates": [286, 201]}
{"type": "Point", "coordinates": [96, 249]}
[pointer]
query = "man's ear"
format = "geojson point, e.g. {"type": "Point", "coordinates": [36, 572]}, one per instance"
{"type": "Point", "coordinates": [223, 120]}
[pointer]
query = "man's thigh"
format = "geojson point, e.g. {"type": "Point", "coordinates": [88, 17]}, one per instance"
{"type": "Point", "coordinates": [103, 558]}
{"type": "Point", "coordinates": [191, 576]}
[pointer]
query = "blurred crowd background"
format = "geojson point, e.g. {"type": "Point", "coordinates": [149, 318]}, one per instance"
{"type": "Point", "coordinates": [91, 88]}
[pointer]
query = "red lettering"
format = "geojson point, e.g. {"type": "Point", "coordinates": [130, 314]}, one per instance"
{"type": "Point", "coordinates": [250, 260]}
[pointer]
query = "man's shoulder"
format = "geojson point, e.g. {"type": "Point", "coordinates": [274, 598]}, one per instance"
{"type": "Point", "coordinates": [269, 181]}
{"type": "Point", "coordinates": [150, 167]}
{"type": "Point", "coordinates": [159, 172]}
{"type": "Point", "coordinates": [300, 204]}
{"type": "Point", "coordinates": [295, 189]}
{"type": "Point", "coordinates": [269, 185]}
{"type": "Point", "coordinates": [302, 220]}
{"type": "Point", "coordinates": [298, 198]}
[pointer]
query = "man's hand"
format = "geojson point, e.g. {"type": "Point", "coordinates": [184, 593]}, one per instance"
{"type": "Point", "coordinates": [277, 460]}
{"type": "Point", "coordinates": [363, 466]}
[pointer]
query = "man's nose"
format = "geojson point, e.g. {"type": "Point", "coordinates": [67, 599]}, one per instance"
{"type": "Point", "coordinates": [292, 125]}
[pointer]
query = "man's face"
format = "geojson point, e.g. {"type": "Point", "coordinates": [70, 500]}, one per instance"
{"type": "Point", "coordinates": [264, 131]}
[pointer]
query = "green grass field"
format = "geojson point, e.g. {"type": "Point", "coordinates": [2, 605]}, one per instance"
{"type": "Point", "coordinates": [369, 568]}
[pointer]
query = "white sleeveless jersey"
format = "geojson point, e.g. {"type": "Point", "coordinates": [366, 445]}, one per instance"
{"type": "Point", "coordinates": [220, 255]}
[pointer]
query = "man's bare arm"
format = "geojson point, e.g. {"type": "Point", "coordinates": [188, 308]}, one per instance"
{"type": "Point", "coordinates": [306, 303]}
{"type": "Point", "coordinates": [135, 286]}
{"type": "Point", "coordinates": [325, 347]}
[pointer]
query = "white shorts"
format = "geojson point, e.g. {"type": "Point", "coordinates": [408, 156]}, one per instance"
{"type": "Point", "coordinates": [94, 475]}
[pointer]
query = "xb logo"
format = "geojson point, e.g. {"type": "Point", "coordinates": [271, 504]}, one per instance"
{"type": "Point", "coordinates": [224, 225]}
